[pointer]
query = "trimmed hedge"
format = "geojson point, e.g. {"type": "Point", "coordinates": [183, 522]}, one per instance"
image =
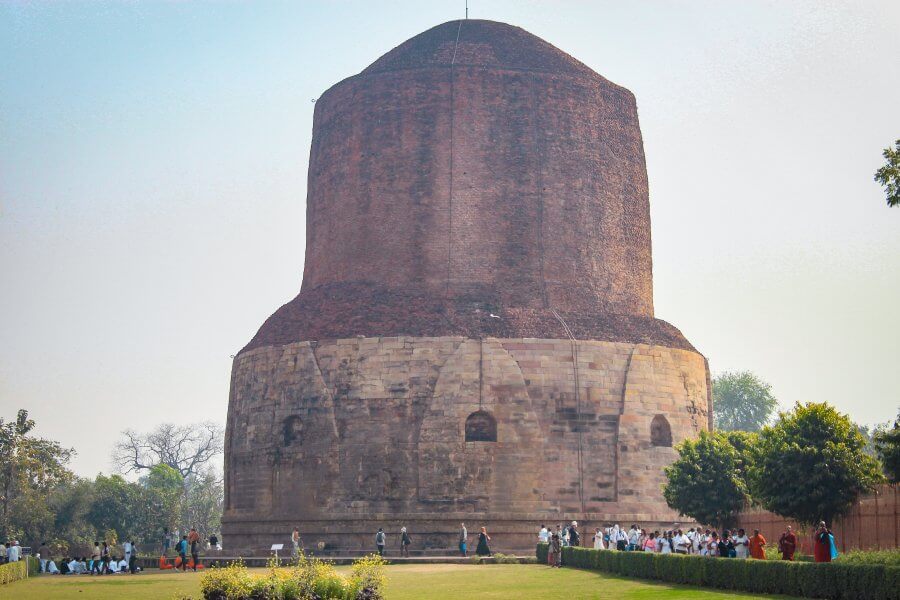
{"type": "Point", "coordinates": [15, 571]}
{"type": "Point", "coordinates": [833, 581]}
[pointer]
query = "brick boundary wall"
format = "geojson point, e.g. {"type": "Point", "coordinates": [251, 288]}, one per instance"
{"type": "Point", "coordinates": [872, 524]}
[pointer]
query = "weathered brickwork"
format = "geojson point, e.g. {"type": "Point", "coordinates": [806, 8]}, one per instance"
{"type": "Point", "coordinates": [477, 200]}
{"type": "Point", "coordinates": [339, 434]}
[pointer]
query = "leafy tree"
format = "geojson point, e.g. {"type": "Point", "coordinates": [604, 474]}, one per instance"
{"type": "Point", "coordinates": [889, 175]}
{"type": "Point", "coordinates": [187, 448]}
{"type": "Point", "coordinates": [887, 445]}
{"type": "Point", "coordinates": [204, 500]}
{"type": "Point", "coordinates": [742, 401]}
{"type": "Point", "coordinates": [705, 482]}
{"type": "Point", "coordinates": [30, 467]}
{"type": "Point", "coordinates": [810, 465]}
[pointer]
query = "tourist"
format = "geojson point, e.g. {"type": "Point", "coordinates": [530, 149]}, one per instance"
{"type": "Point", "coordinates": [650, 543]}
{"type": "Point", "coordinates": [574, 536]}
{"type": "Point", "coordinates": [95, 559]}
{"type": "Point", "coordinates": [83, 566]}
{"type": "Point", "coordinates": [665, 544]}
{"type": "Point", "coordinates": [483, 539]}
{"type": "Point", "coordinates": [726, 545]}
{"type": "Point", "coordinates": [757, 545]}
{"type": "Point", "coordinates": [182, 550]}
{"type": "Point", "coordinates": [544, 535]}
{"type": "Point", "coordinates": [614, 537]}
{"type": "Point", "coordinates": [14, 552]}
{"type": "Point", "coordinates": [214, 541]}
{"type": "Point", "coordinates": [123, 565]}
{"type": "Point", "coordinates": [72, 566]}
{"type": "Point", "coordinates": [681, 542]}
{"type": "Point", "coordinates": [712, 546]}
{"type": "Point", "coordinates": [132, 562]}
{"type": "Point", "coordinates": [621, 539]}
{"type": "Point", "coordinates": [787, 544]}
{"type": "Point", "coordinates": [195, 551]}
{"type": "Point", "coordinates": [554, 555]}
{"type": "Point", "coordinates": [823, 544]}
{"type": "Point", "coordinates": [295, 543]}
{"type": "Point", "coordinates": [563, 535]}
{"type": "Point", "coordinates": [379, 541]}
{"type": "Point", "coordinates": [634, 536]}
{"type": "Point", "coordinates": [598, 540]}
{"type": "Point", "coordinates": [405, 541]}
{"type": "Point", "coordinates": [42, 554]}
{"type": "Point", "coordinates": [104, 556]}
{"type": "Point", "coordinates": [193, 536]}
{"type": "Point", "coordinates": [127, 547]}
{"type": "Point", "coordinates": [3, 552]}
{"type": "Point", "coordinates": [463, 540]}
{"type": "Point", "coordinates": [741, 544]}
{"type": "Point", "coordinates": [112, 565]}
{"type": "Point", "coordinates": [50, 566]}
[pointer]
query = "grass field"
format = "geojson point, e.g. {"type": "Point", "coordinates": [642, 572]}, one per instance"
{"type": "Point", "coordinates": [405, 582]}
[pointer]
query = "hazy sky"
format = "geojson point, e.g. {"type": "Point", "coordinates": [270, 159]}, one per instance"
{"type": "Point", "coordinates": [153, 165]}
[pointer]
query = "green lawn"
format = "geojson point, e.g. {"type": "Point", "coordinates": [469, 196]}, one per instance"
{"type": "Point", "coordinates": [405, 582]}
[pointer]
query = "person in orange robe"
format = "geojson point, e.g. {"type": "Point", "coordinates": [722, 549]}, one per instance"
{"type": "Point", "coordinates": [787, 544]}
{"type": "Point", "coordinates": [757, 545]}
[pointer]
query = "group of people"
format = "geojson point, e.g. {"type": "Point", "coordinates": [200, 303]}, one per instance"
{"type": "Point", "coordinates": [187, 545]}
{"type": "Point", "coordinates": [483, 547]}
{"type": "Point", "coordinates": [10, 551]}
{"type": "Point", "coordinates": [101, 562]}
{"type": "Point", "coordinates": [730, 544]}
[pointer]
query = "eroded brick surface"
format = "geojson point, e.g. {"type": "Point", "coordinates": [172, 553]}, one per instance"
{"type": "Point", "coordinates": [358, 430]}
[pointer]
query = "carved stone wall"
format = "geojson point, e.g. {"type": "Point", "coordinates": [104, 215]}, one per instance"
{"type": "Point", "coordinates": [338, 436]}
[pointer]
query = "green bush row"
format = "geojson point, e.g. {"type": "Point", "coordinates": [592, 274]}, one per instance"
{"type": "Point", "coordinates": [19, 570]}
{"type": "Point", "coordinates": [834, 581]}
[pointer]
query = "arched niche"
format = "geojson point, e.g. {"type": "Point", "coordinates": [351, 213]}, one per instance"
{"type": "Point", "coordinates": [481, 426]}
{"type": "Point", "coordinates": [660, 431]}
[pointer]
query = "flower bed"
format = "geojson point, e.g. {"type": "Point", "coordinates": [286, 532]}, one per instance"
{"type": "Point", "coordinates": [307, 579]}
{"type": "Point", "coordinates": [834, 581]}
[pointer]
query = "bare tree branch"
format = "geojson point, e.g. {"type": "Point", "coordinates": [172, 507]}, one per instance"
{"type": "Point", "coordinates": [185, 448]}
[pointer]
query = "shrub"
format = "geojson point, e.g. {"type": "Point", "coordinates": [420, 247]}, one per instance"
{"type": "Point", "coordinates": [841, 580]}
{"type": "Point", "coordinates": [15, 571]}
{"type": "Point", "coordinates": [872, 557]}
{"type": "Point", "coordinates": [305, 580]}
{"type": "Point", "coordinates": [541, 553]}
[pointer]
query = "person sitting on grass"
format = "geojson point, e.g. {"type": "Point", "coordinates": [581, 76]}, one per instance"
{"type": "Point", "coordinates": [51, 567]}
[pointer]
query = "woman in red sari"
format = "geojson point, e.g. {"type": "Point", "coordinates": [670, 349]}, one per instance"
{"type": "Point", "coordinates": [822, 544]}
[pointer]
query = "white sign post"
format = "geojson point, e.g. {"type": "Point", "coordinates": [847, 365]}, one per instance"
{"type": "Point", "coordinates": [276, 548]}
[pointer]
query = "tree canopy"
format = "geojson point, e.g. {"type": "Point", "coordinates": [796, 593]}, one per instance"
{"type": "Point", "coordinates": [887, 446]}
{"type": "Point", "coordinates": [810, 465]}
{"type": "Point", "coordinates": [705, 482]}
{"type": "Point", "coordinates": [889, 174]}
{"type": "Point", "coordinates": [742, 401]}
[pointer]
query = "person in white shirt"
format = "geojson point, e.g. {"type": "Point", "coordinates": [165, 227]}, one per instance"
{"type": "Point", "coordinates": [666, 543]}
{"type": "Point", "coordinates": [51, 567]}
{"type": "Point", "coordinates": [74, 566]}
{"type": "Point", "coordinates": [634, 536]}
{"type": "Point", "coordinates": [598, 540]}
{"type": "Point", "coordinates": [14, 552]}
{"type": "Point", "coordinates": [127, 547]}
{"type": "Point", "coordinates": [681, 542]}
{"type": "Point", "coordinates": [741, 544]}
{"type": "Point", "coordinates": [544, 535]}
{"type": "Point", "coordinates": [123, 566]}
